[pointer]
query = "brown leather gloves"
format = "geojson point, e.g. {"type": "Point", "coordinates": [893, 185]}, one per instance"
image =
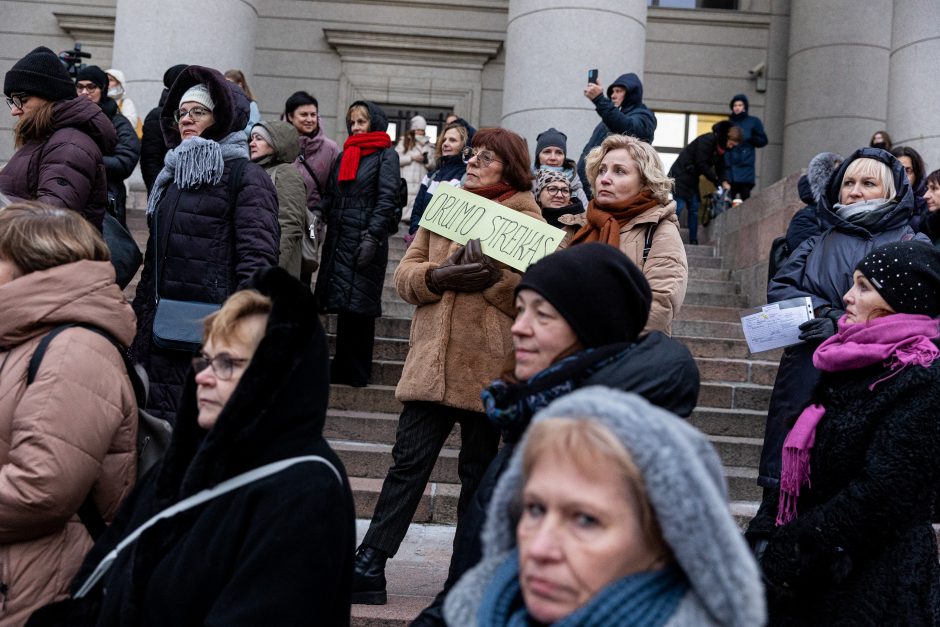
{"type": "Point", "coordinates": [467, 270]}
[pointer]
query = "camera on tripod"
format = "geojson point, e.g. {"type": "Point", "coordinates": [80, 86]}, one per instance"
{"type": "Point", "coordinates": [72, 59]}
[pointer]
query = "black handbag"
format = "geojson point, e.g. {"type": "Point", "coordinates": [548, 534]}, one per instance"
{"type": "Point", "coordinates": [125, 254]}
{"type": "Point", "coordinates": [177, 324]}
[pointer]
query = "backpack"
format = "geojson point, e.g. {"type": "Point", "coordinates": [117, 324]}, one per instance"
{"type": "Point", "coordinates": [779, 253]}
{"type": "Point", "coordinates": [153, 434]}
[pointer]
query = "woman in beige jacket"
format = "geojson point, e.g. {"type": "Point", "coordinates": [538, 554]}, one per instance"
{"type": "Point", "coordinates": [460, 335]}
{"type": "Point", "coordinates": [72, 431]}
{"type": "Point", "coordinates": [631, 209]}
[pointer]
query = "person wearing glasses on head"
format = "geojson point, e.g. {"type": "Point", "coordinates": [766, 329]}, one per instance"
{"type": "Point", "coordinates": [59, 139]}
{"type": "Point", "coordinates": [554, 195]}
{"type": "Point", "coordinates": [460, 331]}
{"type": "Point", "coordinates": [92, 84]}
{"type": "Point", "coordinates": [209, 230]}
{"type": "Point", "coordinates": [276, 550]}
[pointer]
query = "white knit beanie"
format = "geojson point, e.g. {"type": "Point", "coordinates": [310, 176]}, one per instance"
{"type": "Point", "coordinates": [417, 123]}
{"type": "Point", "coordinates": [199, 93]}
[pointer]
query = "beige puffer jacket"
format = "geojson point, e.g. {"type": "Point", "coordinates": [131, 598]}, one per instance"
{"type": "Point", "coordinates": [666, 268]}
{"type": "Point", "coordinates": [72, 430]}
{"type": "Point", "coordinates": [459, 340]}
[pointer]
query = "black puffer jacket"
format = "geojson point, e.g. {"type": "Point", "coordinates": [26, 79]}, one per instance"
{"type": "Point", "coordinates": [275, 552]}
{"type": "Point", "coordinates": [120, 164]}
{"type": "Point", "coordinates": [152, 145]}
{"type": "Point", "coordinates": [207, 252]}
{"type": "Point", "coordinates": [862, 550]}
{"type": "Point", "coordinates": [351, 209]}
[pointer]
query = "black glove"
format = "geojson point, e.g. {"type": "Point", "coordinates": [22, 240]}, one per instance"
{"type": "Point", "coordinates": [823, 327]}
{"type": "Point", "coordinates": [366, 251]}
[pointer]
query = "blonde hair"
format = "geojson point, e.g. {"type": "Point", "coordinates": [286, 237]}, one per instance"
{"type": "Point", "coordinates": [225, 323]}
{"type": "Point", "coordinates": [647, 161]}
{"type": "Point", "coordinates": [358, 108]}
{"type": "Point", "coordinates": [238, 77]}
{"type": "Point", "coordinates": [586, 444]}
{"type": "Point", "coordinates": [461, 131]}
{"type": "Point", "coordinates": [35, 237]}
{"type": "Point", "coordinates": [865, 167]}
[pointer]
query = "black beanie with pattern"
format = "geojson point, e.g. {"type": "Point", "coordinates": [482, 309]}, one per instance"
{"type": "Point", "coordinates": [906, 275]}
{"type": "Point", "coordinates": [599, 292]}
{"type": "Point", "coordinates": [40, 73]}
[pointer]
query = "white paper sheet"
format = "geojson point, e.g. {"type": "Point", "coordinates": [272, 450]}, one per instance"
{"type": "Point", "coordinates": [775, 325]}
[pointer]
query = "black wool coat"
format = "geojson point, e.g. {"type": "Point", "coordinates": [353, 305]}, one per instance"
{"type": "Point", "coordinates": [153, 148]}
{"type": "Point", "coordinates": [207, 250]}
{"type": "Point", "coordinates": [862, 550]}
{"type": "Point", "coordinates": [120, 163]}
{"type": "Point", "coordinates": [352, 209]}
{"type": "Point", "coordinates": [275, 552]}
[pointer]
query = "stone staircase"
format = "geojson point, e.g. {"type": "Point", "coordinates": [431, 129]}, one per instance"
{"type": "Point", "coordinates": [361, 422]}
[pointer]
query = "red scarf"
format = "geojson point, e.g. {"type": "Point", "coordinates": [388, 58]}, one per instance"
{"type": "Point", "coordinates": [357, 147]}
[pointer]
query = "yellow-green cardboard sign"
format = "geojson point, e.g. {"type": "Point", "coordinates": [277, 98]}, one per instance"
{"type": "Point", "coordinates": [506, 235]}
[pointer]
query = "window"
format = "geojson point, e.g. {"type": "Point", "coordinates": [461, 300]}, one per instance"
{"type": "Point", "coordinates": [674, 131]}
{"type": "Point", "coordinates": [400, 115]}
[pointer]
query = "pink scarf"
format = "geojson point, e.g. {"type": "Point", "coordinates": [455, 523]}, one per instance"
{"type": "Point", "coordinates": [897, 341]}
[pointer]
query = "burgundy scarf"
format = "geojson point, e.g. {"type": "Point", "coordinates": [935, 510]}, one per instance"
{"type": "Point", "coordinates": [497, 192]}
{"type": "Point", "coordinates": [357, 147]}
{"type": "Point", "coordinates": [897, 341]}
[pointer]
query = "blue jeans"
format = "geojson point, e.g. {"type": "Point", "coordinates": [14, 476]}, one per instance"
{"type": "Point", "coordinates": [692, 204]}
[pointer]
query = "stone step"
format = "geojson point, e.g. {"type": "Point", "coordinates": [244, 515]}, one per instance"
{"type": "Point", "coordinates": [694, 297]}
{"type": "Point", "coordinates": [704, 262]}
{"type": "Point", "coordinates": [699, 250]}
{"type": "Point", "coordinates": [708, 274]}
{"type": "Point", "coordinates": [708, 328]}
{"type": "Point", "coordinates": [381, 398]}
{"type": "Point", "coordinates": [711, 287]}
{"type": "Point", "coordinates": [360, 426]}
{"type": "Point", "coordinates": [438, 502]}
{"type": "Point", "coordinates": [737, 370]}
{"type": "Point", "coordinates": [742, 423]}
{"type": "Point", "coordinates": [397, 309]}
{"type": "Point", "coordinates": [690, 311]}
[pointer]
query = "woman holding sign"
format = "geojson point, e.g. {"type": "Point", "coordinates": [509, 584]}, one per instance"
{"type": "Point", "coordinates": [632, 211]}
{"type": "Point", "coordinates": [846, 538]}
{"type": "Point", "coordinates": [459, 333]}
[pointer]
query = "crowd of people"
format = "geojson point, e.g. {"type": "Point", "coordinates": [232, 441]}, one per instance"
{"type": "Point", "coordinates": [603, 506]}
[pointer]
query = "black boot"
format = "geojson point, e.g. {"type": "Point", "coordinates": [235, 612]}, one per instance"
{"type": "Point", "coordinates": [368, 586]}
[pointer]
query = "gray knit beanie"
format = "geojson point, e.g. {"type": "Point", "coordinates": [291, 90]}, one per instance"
{"type": "Point", "coordinates": [685, 483]}
{"type": "Point", "coordinates": [551, 137]}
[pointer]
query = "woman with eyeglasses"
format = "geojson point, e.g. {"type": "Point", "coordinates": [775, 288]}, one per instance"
{"type": "Point", "coordinates": [555, 197]}
{"type": "Point", "coordinates": [209, 230]}
{"type": "Point", "coordinates": [274, 551]}
{"type": "Point", "coordinates": [59, 139]}
{"type": "Point", "coordinates": [631, 210]}
{"type": "Point", "coordinates": [460, 332]}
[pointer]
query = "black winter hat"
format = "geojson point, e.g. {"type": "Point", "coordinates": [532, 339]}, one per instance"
{"type": "Point", "coordinates": [96, 75]}
{"type": "Point", "coordinates": [551, 137]}
{"type": "Point", "coordinates": [169, 77]}
{"type": "Point", "coordinates": [907, 275]}
{"type": "Point", "coordinates": [40, 73]}
{"type": "Point", "coordinates": [600, 293]}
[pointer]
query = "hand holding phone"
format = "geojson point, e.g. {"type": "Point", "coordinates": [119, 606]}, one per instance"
{"type": "Point", "coordinates": [592, 76]}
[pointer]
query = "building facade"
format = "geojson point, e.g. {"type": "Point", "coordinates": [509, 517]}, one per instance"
{"type": "Point", "coordinates": [821, 75]}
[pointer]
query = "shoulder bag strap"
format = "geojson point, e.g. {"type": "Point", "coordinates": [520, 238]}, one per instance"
{"type": "Point", "coordinates": [198, 499]}
{"type": "Point", "coordinates": [648, 242]}
{"type": "Point", "coordinates": [316, 180]}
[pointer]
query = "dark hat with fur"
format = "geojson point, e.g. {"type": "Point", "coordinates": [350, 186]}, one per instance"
{"type": "Point", "coordinates": [40, 73]}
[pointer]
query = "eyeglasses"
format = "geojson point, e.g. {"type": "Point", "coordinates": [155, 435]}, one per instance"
{"type": "Point", "coordinates": [558, 191]}
{"type": "Point", "coordinates": [16, 101]}
{"type": "Point", "coordinates": [195, 114]}
{"type": "Point", "coordinates": [484, 158]}
{"type": "Point", "coordinates": [222, 365]}
{"type": "Point", "coordinates": [88, 88]}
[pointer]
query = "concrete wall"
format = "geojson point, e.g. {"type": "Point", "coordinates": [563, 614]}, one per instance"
{"type": "Point", "coordinates": [744, 234]}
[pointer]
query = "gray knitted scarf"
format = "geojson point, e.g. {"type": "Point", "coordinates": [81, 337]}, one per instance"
{"type": "Point", "coordinates": [197, 161]}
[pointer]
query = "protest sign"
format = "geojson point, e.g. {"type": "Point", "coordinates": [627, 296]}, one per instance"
{"type": "Point", "coordinates": [505, 234]}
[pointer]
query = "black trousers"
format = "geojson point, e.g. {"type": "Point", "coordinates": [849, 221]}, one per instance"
{"type": "Point", "coordinates": [355, 337]}
{"type": "Point", "coordinates": [422, 430]}
{"type": "Point", "coordinates": [741, 189]}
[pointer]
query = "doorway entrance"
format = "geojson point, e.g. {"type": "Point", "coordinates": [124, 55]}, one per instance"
{"type": "Point", "coordinates": [399, 115]}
